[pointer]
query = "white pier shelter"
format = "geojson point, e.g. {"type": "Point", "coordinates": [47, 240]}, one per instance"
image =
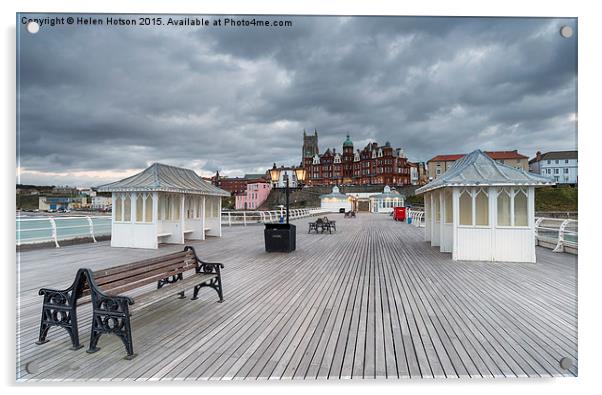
{"type": "Point", "coordinates": [481, 210]}
{"type": "Point", "coordinates": [163, 204]}
{"type": "Point", "coordinates": [335, 201]}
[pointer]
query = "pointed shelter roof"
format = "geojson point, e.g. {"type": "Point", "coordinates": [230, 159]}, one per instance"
{"type": "Point", "coordinates": [388, 193]}
{"type": "Point", "coordinates": [335, 194]}
{"type": "Point", "coordinates": [478, 169]}
{"type": "Point", "coordinates": [164, 178]}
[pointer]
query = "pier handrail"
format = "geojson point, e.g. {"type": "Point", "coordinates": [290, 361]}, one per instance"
{"type": "Point", "coordinates": [555, 233]}
{"type": "Point", "coordinates": [560, 233]}
{"type": "Point", "coordinates": [417, 217]}
{"type": "Point", "coordinates": [49, 224]}
{"type": "Point", "coordinates": [244, 218]}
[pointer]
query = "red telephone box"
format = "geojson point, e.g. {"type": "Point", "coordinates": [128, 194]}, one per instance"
{"type": "Point", "coordinates": [399, 214]}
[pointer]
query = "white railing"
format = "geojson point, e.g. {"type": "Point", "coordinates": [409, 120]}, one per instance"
{"type": "Point", "coordinates": [32, 230]}
{"type": "Point", "coordinates": [49, 229]}
{"type": "Point", "coordinates": [245, 218]}
{"type": "Point", "coordinates": [416, 216]}
{"type": "Point", "coordinates": [557, 233]}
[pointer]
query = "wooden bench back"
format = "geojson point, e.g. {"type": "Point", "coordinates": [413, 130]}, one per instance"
{"type": "Point", "coordinates": [119, 279]}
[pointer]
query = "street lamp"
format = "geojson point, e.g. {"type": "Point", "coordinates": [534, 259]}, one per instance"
{"type": "Point", "coordinates": [282, 237]}
{"type": "Point", "coordinates": [300, 173]}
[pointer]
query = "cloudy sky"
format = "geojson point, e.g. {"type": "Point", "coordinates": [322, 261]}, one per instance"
{"type": "Point", "coordinates": [99, 103]}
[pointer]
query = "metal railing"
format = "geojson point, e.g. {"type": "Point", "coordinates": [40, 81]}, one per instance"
{"type": "Point", "coordinates": [416, 216]}
{"type": "Point", "coordinates": [244, 218]}
{"type": "Point", "coordinates": [557, 233]}
{"type": "Point", "coordinates": [55, 229]}
{"type": "Point", "coordinates": [31, 230]}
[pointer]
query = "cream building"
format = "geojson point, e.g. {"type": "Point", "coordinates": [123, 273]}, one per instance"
{"type": "Point", "coordinates": [442, 163]}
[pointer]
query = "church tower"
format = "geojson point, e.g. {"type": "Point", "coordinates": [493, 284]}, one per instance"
{"type": "Point", "coordinates": [310, 145]}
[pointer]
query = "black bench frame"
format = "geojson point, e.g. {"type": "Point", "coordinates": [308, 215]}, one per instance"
{"type": "Point", "coordinates": [110, 314]}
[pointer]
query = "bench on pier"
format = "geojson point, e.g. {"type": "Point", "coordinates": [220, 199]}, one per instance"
{"type": "Point", "coordinates": [323, 225]}
{"type": "Point", "coordinates": [108, 291]}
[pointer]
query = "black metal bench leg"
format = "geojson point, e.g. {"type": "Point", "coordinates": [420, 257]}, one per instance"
{"type": "Point", "coordinates": [214, 283]}
{"type": "Point", "coordinates": [110, 315]}
{"type": "Point", "coordinates": [58, 309]}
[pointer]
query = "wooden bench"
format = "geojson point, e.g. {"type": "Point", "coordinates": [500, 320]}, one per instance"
{"type": "Point", "coordinates": [108, 290]}
{"type": "Point", "coordinates": [329, 225]}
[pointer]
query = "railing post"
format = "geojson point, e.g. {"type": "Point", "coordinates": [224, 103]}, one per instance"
{"type": "Point", "coordinates": [244, 218]}
{"type": "Point", "coordinates": [537, 222]}
{"type": "Point", "coordinates": [560, 245]}
{"type": "Point", "coordinates": [54, 235]}
{"type": "Point", "coordinates": [91, 228]}
{"type": "Point", "coordinates": [229, 219]}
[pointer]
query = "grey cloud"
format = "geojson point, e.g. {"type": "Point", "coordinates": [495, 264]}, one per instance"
{"type": "Point", "coordinates": [237, 99]}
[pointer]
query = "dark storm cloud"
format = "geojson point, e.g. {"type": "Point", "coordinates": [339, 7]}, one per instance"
{"type": "Point", "coordinates": [237, 99]}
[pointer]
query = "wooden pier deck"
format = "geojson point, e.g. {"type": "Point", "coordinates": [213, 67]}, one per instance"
{"type": "Point", "coordinates": [372, 300]}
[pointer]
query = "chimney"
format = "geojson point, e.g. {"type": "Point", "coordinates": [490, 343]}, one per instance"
{"type": "Point", "coordinates": [538, 155]}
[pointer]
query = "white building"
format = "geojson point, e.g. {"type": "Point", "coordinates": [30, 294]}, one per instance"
{"type": "Point", "coordinates": [481, 210]}
{"type": "Point", "coordinates": [163, 204]}
{"type": "Point", "coordinates": [386, 201]}
{"type": "Point", "coordinates": [560, 165]}
{"type": "Point", "coordinates": [101, 202]}
{"type": "Point", "coordinates": [335, 201]}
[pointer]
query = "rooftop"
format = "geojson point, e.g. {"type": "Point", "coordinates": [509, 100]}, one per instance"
{"type": "Point", "coordinates": [552, 155]}
{"type": "Point", "coordinates": [371, 300]}
{"type": "Point", "coordinates": [164, 178]}
{"type": "Point", "coordinates": [479, 169]}
{"type": "Point", "coordinates": [495, 155]}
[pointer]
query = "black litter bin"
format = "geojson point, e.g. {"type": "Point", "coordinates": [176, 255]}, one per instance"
{"type": "Point", "coordinates": [280, 237]}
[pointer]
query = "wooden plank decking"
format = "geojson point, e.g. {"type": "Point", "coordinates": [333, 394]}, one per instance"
{"type": "Point", "coordinates": [370, 301]}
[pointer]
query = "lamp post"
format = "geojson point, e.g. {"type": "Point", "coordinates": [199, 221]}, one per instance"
{"type": "Point", "coordinates": [282, 237]}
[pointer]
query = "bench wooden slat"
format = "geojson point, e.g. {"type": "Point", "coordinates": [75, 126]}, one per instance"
{"type": "Point", "coordinates": [165, 266]}
{"type": "Point", "coordinates": [134, 265]}
{"type": "Point", "coordinates": [129, 285]}
{"type": "Point", "coordinates": [157, 295]}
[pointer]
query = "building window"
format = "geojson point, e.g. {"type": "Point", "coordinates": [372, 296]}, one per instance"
{"type": "Point", "coordinates": [482, 208]}
{"type": "Point", "coordinates": [566, 171]}
{"type": "Point", "coordinates": [555, 171]}
{"type": "Point", "coordinates": [139, 207]}
{"type": "Point", "coordinates": [556, 161]}
{"type": "Point", "coordinates": [503, 207]}
{"type": "Point", "coordinates": [449, 213]}
{"type": "Point", "coordinates": [512, 207]}
{"type": "Point", "coordinates": [520, 207]}
{"type": "Point", "coordinates": [566, 161]}
{"type": "Point", "coordinates": [127, 208]}
{"type": "Point", "coordinates": [148, 207]}
{"type": "Point", "coordinates": [549, 162]}
{"type": "Point", "coordinates": [437, 207]}
{"type": "Point", "coordinates": [118, 208]}
{"type": "Point", "coordinates": [465, 208]}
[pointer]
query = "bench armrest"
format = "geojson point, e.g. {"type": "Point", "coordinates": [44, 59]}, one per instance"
{"type": "Point", "coordinates": [99, 297]}
{"type": "Point", "coordinates": [205, 267]}
{"type": "Point", "coordinates": [67, 296]}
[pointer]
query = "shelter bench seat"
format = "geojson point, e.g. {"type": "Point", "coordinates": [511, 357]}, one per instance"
{"type": "Point", "coordinates": [108, 290]}
{"type": "Point", "coordinates": [163, 234]}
